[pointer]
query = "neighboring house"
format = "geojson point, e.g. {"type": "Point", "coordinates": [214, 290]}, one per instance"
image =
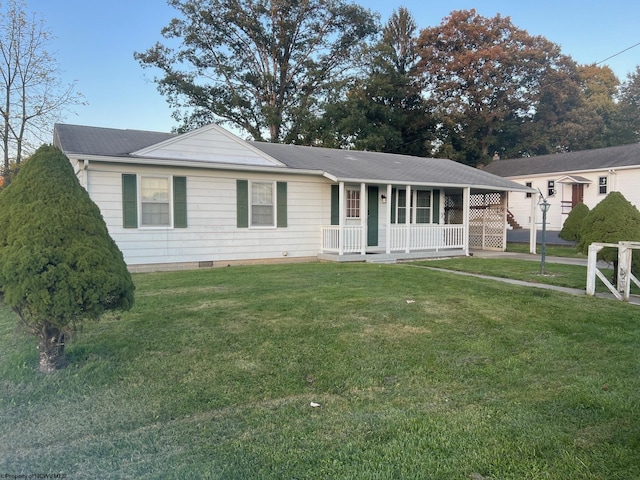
{"type": "Point", "coordinates": [567, 179]}
{"type": "Point", "coordinates": [208, 198]}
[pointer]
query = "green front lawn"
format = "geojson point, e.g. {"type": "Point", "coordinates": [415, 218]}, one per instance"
{"type": "Point", "coordinates": [419, 374]}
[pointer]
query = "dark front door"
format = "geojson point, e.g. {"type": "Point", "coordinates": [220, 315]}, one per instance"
{"type": "Point", "coordinates": [372, 217]}
{"type": "Point", "coordinates": [577, 194]}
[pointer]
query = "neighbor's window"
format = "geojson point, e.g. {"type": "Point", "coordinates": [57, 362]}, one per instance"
{"type": "Point", "coordinates": [528, 184]}
{"type": "Point", "coordinates": [551, 188]}
{"type": "Point", "coordinates": [353, 202]}
{"type": "Point", "coordinates": [401, 206]}
{"type": "Point", "coordinates": [155, 201]}
{"type": "Point", "coordinates": [602, 185]}
{"type": "Point", "coordinates": [262, 204]}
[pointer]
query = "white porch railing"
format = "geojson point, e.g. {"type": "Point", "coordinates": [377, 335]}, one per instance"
{"type": "Point", "coordinates": [421, 237]}
{"type": "Point", "coordinates": [331, 238]}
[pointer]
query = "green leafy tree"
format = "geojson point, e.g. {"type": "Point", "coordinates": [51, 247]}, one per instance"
{"type": "Point", "coordinates": [627, 119]}
{"type": "Point", "coordinates": [58, 265]}
{"type": "Point", "coordinates": [573, 224]}
{"type": "Point", "coordinates": [613, 220]}
{"type": "Point", "coordinates": [383, 110]}
{"type": "Point", "coordinates": [259, 65]}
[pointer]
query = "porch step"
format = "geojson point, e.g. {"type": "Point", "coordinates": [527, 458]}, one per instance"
{"type": "Point", "coordinates": [381, 259]}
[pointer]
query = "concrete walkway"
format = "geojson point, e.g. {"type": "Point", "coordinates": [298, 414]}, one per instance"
{"type": "Point", "coordinates": [634, 300]}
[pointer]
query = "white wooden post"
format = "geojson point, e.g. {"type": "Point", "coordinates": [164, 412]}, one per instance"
{"type": "Point", "coordinates": [466, 216]}
{"type": "Point", "coordinates": [592, 261]}
{"type": "Point", "coordinates": [407, 219]}
{"type": "Point", "coordinates": [532, 225]}
{"type": "Point", "coordinates": [364, 216]}
{"type": "Point", "coordinates": [341, 218]}
{"type": "Point", "coordinates": [504, 200]}
{"type": "Point", "coordinates": [624, 269]}
{"type": "Point", "coordinates": [388, 221]}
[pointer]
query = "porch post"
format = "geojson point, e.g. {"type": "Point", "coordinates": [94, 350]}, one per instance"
{"type": "Point", "coordinates": [466, 208]}
{"type": "Point", "coordinates": [364, 217]}
{"type": "Point", "coordinates": [341, 218]}
{"type": "Point", "coordinates": [388, 221]}
{"type": "Point", "coordinates": [532, 224]}
{"type": "Point", "coordinates": [504, 197]}
{"type": "Point", "coordinates": [407, 220]}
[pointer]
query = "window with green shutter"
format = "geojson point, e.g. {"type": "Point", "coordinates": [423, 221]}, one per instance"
{"type": "Point", "coordinates": [151, 194]}
{"type": "Point", "coordinates": [261, 204]}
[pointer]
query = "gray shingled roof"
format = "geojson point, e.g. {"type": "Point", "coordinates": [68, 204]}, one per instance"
{"type": "Point", "coordinates": [345, 165]}
{"type": "Point", "coordinates": [601, 158]}
{"type": "Point", "coordinates": [353, 165]}
{"type": "Point", "coordinates": [110, 142]}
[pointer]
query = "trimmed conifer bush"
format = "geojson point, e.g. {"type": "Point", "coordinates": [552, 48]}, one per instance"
{"type": "Point", "coordinates": [613, 220]}
{"type": "Point", "coordinates": [58, 265]}
{"type": "Point", "coordinates": [572, 225]}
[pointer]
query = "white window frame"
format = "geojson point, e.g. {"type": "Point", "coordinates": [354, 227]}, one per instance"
{"type": "Point", "coordinates": [551, 188]}
{"type": "Point", "coordinates": [400, 205]}
{"type": "Point", "coordinates": [530, 185]}
{"type": "Point", "coordinates": [601, 185]}
{"type": "Point", "coordinates": [273, 205]}
{"type": "Point", "coordinates": [169, 202]}
{"type": "Point", "coordinates": [415, 208]}
{"type": "Point", "coordinates": [352, 202]}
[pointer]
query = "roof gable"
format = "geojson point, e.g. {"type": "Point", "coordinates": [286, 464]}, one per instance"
{"type": "Point", "coordinates": [211, 143]}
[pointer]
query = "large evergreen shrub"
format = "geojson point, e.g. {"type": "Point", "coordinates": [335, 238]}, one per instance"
{"type": "Point", "coordinates": [613, 220]}
{"type": "Point", "coordinates": [572, 225]}
{"type": "Point", "coordinates": [58, 265]}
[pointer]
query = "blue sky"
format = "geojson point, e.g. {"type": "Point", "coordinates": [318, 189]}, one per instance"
{"type": "Point", "coordinates": [96, 40]}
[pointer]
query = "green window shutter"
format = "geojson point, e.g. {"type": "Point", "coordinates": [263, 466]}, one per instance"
{"type": "Point", "coordinates": [436, 206]}
{"type": "Point", "coordinates": [242, 203]}
{"type": "Point", "coordinates": [282, 204]}
{"type": "Point", "coordinates": [335, 205]}
{"type": "Point", "coordinates": [129, 200]}
{"type": "Point", "coordinates": [394, 199]}
{"type": "Point", "coordinates": [180, 202]}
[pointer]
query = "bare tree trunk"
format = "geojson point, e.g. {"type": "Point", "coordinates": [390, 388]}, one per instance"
{"type": "Point", "coordinates": [51, 347]}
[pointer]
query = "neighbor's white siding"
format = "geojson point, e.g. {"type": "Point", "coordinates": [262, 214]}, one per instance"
{"type": "Point", "coordinates": [623, 180]}
{"type": "Point", "coordinates": [212, 234]}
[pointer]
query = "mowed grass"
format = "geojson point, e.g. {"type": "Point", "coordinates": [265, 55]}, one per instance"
{"type": "Point", "coordinates": [419, 374]}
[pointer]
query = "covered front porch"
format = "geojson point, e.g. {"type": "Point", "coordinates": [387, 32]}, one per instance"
{"type": "Point", "coordinates": [407, 222]}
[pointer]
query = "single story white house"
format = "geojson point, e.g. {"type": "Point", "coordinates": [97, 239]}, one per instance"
{"type": "Point", "coordinates": [208, 198]}
{"type": "Point", "coordinates": [566, 179]}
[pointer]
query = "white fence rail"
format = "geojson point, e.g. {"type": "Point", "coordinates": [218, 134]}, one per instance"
{"type": "Point", "coordinates": [420, 237]}
{"type": "Point", "coordinates": [624, 276]}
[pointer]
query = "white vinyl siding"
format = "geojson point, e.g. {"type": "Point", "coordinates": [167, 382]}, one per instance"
{"type": "Point", "coordinates": [212, 234]}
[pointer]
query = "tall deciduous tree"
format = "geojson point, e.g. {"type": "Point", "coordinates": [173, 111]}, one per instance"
{"type": "Point", "coordinates": [627, 118]}
{"type": "Point", "coordinates": [484, 76]}
{"type": "Point", "coordinates": [383, 110]}
{"type": "Point", "coordinates": [58, 265]}
{"type": "Point", "coordinates": [33, 96]}
{"type": "Point", "coordinates": [259, 65]}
